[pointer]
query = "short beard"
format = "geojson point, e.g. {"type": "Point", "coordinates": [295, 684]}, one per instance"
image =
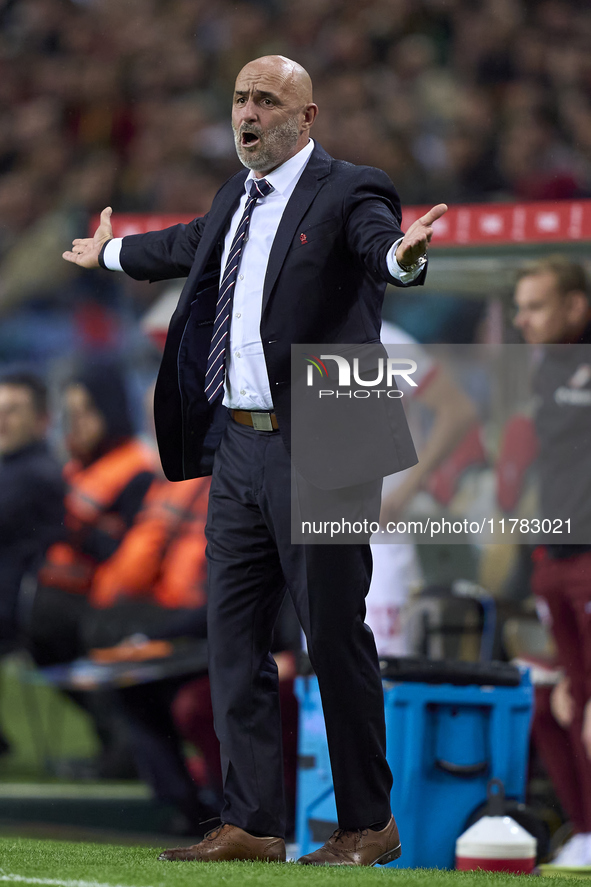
{"type": "Point", "coordinates": [275, 145]}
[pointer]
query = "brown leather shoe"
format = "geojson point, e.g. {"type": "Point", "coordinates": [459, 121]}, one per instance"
{"type": "Point", "coordinates": [357, 847]}
{"type": "Point", "coordinates": [229, 842]}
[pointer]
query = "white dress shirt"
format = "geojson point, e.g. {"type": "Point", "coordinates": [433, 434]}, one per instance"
{"type": "Point", "coordinates": [247, 383]}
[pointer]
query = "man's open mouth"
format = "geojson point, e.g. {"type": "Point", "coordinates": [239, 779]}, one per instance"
{"type": "Point", "coordinates": [249, 139]}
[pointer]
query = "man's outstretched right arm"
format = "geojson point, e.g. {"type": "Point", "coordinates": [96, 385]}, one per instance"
{"type": "Point", "coordinates": [156, 255]}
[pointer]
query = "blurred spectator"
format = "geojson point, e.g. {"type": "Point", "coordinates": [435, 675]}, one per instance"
{"type": "Point", "coordinates": [107, 478]}
{"type": "Point", "coordinates": [31, 489]}
{"type": "Point", "coordinates": [31, 494]}
{"type": "Point", "coordinates": [553, 301]}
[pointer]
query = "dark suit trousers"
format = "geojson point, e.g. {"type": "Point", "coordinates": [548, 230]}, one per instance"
{"type": "Point", "coordinates": [251, 563]}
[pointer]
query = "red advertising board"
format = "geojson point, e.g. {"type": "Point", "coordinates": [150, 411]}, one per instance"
{"type": "Point", "coordinates": [488, 224]}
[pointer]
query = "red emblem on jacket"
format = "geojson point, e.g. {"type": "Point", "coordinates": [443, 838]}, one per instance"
{"type": "Point", "coordinates": [303, 238]}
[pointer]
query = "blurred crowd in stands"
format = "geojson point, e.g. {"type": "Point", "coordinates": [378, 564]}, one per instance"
{"type": "Point", "coordinates": [103, 102]}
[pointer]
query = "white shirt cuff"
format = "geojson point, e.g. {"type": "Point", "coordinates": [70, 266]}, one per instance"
{"type": "Point", "coordinates": [393, 266]}
{"type": "Point", "coordinates": [111, 254]}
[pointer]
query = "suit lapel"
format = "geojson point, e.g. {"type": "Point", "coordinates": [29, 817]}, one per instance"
{"type": "Point", "coordinates": [310, 183]}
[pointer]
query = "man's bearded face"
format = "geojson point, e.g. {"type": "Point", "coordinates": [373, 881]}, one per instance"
{"type": "Point", "coordinates": [263, 150]}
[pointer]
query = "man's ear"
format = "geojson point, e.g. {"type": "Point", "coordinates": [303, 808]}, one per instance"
{"type": "Point", "coordinates": [310, 113]}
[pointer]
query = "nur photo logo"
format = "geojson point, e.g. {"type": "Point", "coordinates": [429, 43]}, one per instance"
{"type": "Point", "coordinates": [348, 374]}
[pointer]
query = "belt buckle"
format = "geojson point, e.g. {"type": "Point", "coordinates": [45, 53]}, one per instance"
{"type": "Point", "coordinates": [261, 421]}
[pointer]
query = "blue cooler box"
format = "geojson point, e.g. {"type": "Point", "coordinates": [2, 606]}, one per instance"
{"type": "Point", "coordinates": [445, 741]}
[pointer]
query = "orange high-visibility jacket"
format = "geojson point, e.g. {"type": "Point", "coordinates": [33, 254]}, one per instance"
{"type": "Point", "coordinates": [92, 493]}
{"type": "Point", "coordinates": [162, 558]}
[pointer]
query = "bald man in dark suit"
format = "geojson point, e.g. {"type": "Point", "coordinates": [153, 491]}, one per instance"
{"type": "Point", "coordinates": [311, 265]}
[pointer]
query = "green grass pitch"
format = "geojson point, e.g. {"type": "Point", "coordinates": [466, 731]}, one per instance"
{"type": "Point", "coordinates": [62, 864]}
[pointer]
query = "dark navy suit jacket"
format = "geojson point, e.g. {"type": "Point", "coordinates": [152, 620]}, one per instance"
{"type": "Point", "coordinates": [326, 287]}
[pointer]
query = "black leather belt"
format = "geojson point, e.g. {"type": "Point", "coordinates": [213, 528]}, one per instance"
{"type": "Point", "coordinates": [260, 420]}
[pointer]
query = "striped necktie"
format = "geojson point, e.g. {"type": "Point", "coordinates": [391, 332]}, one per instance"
{"type": "Point", "coordinates": [216, 361]}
